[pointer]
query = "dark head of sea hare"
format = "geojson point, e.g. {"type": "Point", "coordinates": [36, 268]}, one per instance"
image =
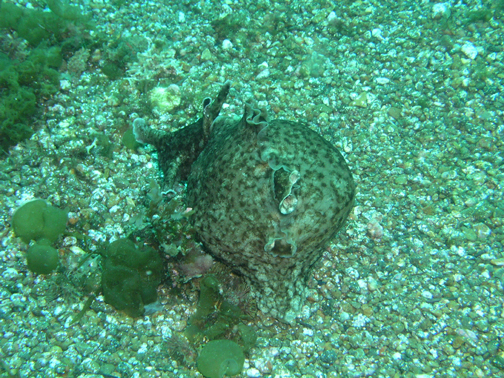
{"type": "Point", "coordinates": [268, 196]}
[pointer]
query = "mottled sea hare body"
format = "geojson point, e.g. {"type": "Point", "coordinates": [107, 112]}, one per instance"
{"type": "Point", "coordinates": [268, 196]}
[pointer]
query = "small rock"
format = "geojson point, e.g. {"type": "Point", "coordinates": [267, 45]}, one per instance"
{"type": "Point", "coordinates": [458, 342]}
{"type": "Point", "coordinates": [253, 373]}
{"type": "Point", "coordinates": [498, 262]}
{"type": "Point", "coordinates": [90, 365]}
{"type": "Point", "coordinates": [482, 230]}
{"type": "Point", "coordinates": [206, 55]}
{"type": "Point", "coordinates": [65, 85]}
{"type": "Point", "coordinates": [493, 346]}
{"type": "Point", "coordinates": [372, 284]}
{"type": "Point", "coordinates": [427, 294]}
{"type": "Point", "coordinates": [332, 17]}
{"type": "Point", "coordinates": [165, 99]}
{"type": "Point", "coordinates": [227, 44]}
{"type": "Point", "coordinates": [470, 50]}
{"type": "Point", "coordinates": [441, 10]}
{"type": "Point", "coordinates": [263, 74]}
{"type": "Point", "coordinates": [10, 274]}
{"type": "Point", "coordinates": [382, 80]}
{"type": "Point", "coordinates": [377, 33]}
{"type": "Point", "coordinates": [395, 112]}
{"type": "Point", "coordinates": [498, 362]}
{"type": "Point", "coordinates": [328, 356]}
{"type": "Point", "coordinates": [360, 101]}
{"type": "Point", "coordinates": [469, 234]}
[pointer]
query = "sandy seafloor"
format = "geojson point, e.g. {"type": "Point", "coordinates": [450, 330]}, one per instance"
{"type": "Point", "coordinates": [411, 94]}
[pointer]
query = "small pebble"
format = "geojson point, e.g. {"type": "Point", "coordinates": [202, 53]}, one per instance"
{"type": "Point", "coordinates": [470, 50]}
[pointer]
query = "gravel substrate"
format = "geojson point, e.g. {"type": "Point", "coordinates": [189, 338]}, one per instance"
{"type": "Point", "coordinates": [411, 94]}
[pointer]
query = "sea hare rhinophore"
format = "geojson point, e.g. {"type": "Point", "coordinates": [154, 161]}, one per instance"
{"type": "Point", "coordinates": [268, 195]}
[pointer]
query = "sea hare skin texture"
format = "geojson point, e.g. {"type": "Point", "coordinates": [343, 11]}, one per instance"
{"type": "Point", "coordinates": [268, 197]}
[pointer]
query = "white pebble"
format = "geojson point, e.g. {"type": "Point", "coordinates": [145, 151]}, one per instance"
{"type": "Point", "coordinates": [10, 274]}
{"type": "Point", "coordinates": [264, 65]}
{"type": "Point", "coordinates": [142, 349]}
{"type": "Point", "coordinates": [372, 284]}
{"type": "Point", "coordinates": [227, 44]}
{"type": "Point", "coordinates": [65, 85]}
{"type": "Point", "coordinates": [114, 209]}
{"type": "Point", "coordinates": [253, 373]}
{"type": "Point", "coordinates": [427, 294]}
{"type": "Point", "coordinates": [382, 80]}
{"type": "Point", "coordinates": [362, 283]}
{"type": "Point", "coordinates": [332, 17]}
{"type": "Point", "coordinates": [273, 352]}
{"type": "Point", "coordinates": [166, 332]}
{"type": "Point", "coordinates": [377, 33]}
{"type": "Point", "coordinates": [77, 250]}
{"type": "Point", "coordinates": [470, 50]}
{"type": "Point", "coordinates": [18, 300]}
{"type": "Point", "coordinates": [58, 310]}
{"type": "Point", "coordinates": [360, 321]}
{"type": "Point", "coordinates": [308, 332]}
{"type": "Point", "coordinates": [263, 74]}
{"type": "Point", "coordinates": [440, 10]}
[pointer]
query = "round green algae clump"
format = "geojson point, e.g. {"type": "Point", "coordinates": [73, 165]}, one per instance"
{"type": "Point", "coordinates": [36, 220]}
{"type": "Point", "coordinates": [220, 357]}
{"type": "Point", "coordinates": [42, 259]}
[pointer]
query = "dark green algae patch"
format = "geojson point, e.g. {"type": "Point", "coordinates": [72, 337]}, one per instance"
{"type": "Point", "coordinates": [23, 84]}
{"type": "Point", "coordinates": [131, 276]}
{"type": "Point", "coordinates": [223, 323]}
{"type": "Point", "coordinates": [28, 77]}
{"type": "Point", "coordinates": [217, 318]}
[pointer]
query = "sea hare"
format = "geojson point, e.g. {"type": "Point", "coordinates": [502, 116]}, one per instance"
{"type": "Point", "coordinates": [268, 195]}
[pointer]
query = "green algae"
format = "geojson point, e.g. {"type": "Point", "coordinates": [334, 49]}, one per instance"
{"type": "Point", "coordinates": [217, 318]}
{"type": "Point", "coordinates": [130, 276]}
